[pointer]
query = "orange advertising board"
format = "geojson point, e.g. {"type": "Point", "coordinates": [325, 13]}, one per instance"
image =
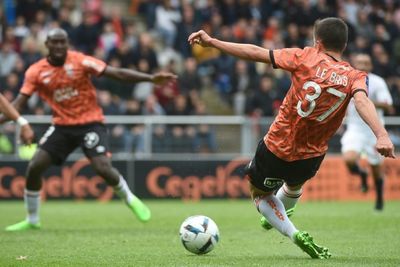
{"type": "Point", "coordinates": [196, 180]}
{"type": "Point", "coordinates": [334, 182]}
{"type": "Point", "coordinates": [189, 180]}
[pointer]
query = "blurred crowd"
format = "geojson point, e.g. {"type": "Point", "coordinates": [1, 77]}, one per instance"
{"type": "Point", "coordinates": [152, 35]}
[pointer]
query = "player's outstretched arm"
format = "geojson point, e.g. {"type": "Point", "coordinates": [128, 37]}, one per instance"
{"type": "Point", "coordinates": [243, 51]}
{"type": "Point", "coordinates": [12, 113]}
{"type": "Point", "coordinates": [367, 111]}
{"type": "Point", "coordinates": [136, 76]}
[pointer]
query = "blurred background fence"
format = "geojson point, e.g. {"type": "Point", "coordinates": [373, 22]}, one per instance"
{"type": "Point", "coordinates": [176, 136]}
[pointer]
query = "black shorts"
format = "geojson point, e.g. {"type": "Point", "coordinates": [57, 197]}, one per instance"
{"type": "Point", "coordinates": [268, 172]}
{"type": "Point", "coordinates": [60, 141]}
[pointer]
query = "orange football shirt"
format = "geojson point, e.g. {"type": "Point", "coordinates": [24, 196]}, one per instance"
{"type": "Point", "coordinates": [68, 88]}
{"type": "Point", "coordinates": [315, 104]}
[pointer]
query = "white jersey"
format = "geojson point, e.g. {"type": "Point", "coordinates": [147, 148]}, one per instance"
{"type": "Point", "coordinates": [377, 92]}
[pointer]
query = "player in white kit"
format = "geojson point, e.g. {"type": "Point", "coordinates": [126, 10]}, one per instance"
{"type": "Point", "coordinates": [358, 139]}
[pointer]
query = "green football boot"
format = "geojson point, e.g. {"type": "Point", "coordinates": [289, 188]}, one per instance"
{"type": "Point", "coordinates": [265, 223]}
{"type": "Point", "coordinates": [22, 226]}
{"type": "Point", "coordinates": [141, 211]}
{"type": "Point", "coordinates": [304, 241]}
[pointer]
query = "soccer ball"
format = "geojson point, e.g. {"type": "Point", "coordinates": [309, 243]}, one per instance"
{"type": "Point", "coordinates": [199, 234]}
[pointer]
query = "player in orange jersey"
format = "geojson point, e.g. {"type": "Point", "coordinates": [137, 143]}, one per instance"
{"type": "Point", "coordinates": [26, 133]}
{"type": "Point", "coordinates": [292, 150]}
{"type": "Point", "coordinates": [62, 79]}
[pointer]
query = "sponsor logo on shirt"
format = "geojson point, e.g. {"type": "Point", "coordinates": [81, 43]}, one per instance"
{"type": "Point", "coordinates": [69, 69]}
{"type": "Point", "coordinates": [65, 94]}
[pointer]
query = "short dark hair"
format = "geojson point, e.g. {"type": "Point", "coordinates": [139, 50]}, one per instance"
{"type": "Point", "coordinates": [332, 32]}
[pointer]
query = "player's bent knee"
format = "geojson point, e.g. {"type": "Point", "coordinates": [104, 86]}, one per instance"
{"type": "Point", "coordinates": [257, 193]}
{"type": "Point", "coordinates": [294, 187]}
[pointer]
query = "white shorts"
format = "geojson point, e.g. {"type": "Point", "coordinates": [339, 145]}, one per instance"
{"type": "Point", "coordinates": [364, 144]}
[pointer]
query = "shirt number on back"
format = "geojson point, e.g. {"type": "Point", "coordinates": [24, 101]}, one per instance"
{"type": "Point", "coordinates": [312, 97]}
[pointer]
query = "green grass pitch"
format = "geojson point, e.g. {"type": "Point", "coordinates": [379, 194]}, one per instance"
{"type": "Point", "coordinates": [107, 234]}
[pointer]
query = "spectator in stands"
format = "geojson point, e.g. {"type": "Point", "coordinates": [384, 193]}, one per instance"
{"type": "Point", "coordinates": [108, 39]}
{"type": "Point", "coordinates": [107, 103]}
{"type": "Point", "coordinates": [87, 33]}
{"type": "Point", "coordinates": [261, 102]}
{"type": "Point", "coordinates": [152, 107]}
{"type": "Point", "coordinates": [179, 141]}
{"type": "Point", "coordinates": [30, 51]}
{"type": "Point", "coordinates": [271, 29]}
{"type": "Point", "coordinates": [19, 69]}
{"type": "Point", "coordinates": [293, 38]}
{"type": "Point", "coordinates": [12, 86]}
{"type": "Point", "coordinates": [124, 53]}
{"type": "Point", "coordinates": [159, 144]}
{"type": "Point", "coordinates": [166, 93]}
{"type": "Point", "coordinates": [190, 80]}
{"type": "Point", "coordinates": [143, 90]}
{"type": "Point", "coordinates": [134, 138]}
{"type": "Point", "coordinates": [27, 9]}
{"type": "Point", "coordinates": [166, 19]}
{"type": "Point", "coordinates": [364, 26]}
{"type": "Point", "coordinates": [21, 31]}
{"type": "Point", "coordinates": [204, 140]}
{"type": "Point", "coordinates": [118, 138]}
{"type": "Point", "coordinates": [145, 50]}
{"type": "Point", "coordinates": [244, 81]}
{"type": "Point", "coordinates": [131, 35]}
{"type": "Point", "coordinates": [360, 45]}
{"type": "Point", "coordinates": [179, 106]}
{"type": "Point", "coordinates": [184, 28]}
{"type": "Point", "coordinates": [64, 20]}
{"type": "Point", "coordinates": [8, 58]}
{"type": "Point", "coordinates": [382, 65]}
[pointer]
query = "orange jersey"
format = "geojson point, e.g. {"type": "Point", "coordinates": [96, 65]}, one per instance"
{"type": "Point", "coordinates": [315, 104]}
{"type": "Point", "coordinates": [67, 88]}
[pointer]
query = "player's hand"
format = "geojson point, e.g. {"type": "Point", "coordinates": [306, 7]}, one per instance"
{"type": "Point", "coordinates": [27, 134]}
{"type": "Point", "coordinates": [163, 77]}
{"type": "Point", "coordinates": [201, 38]}
{"type": "Point", "coordinates": [385, 146]}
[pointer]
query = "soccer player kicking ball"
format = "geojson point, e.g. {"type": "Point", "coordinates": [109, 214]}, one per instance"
{"type": "Point", "coordinates": [62, 79]}
{"type": "Point", "coordinates": [358, 138]}
{"type": "Point", "coordinates": [292, 150]}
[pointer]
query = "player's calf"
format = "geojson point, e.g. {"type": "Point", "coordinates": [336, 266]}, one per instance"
{"type": "Point", "coordinates": [267, 226]}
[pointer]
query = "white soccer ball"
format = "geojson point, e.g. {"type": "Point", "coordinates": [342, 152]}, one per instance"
{"type": "Point", "coordinates": [199, 234]}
